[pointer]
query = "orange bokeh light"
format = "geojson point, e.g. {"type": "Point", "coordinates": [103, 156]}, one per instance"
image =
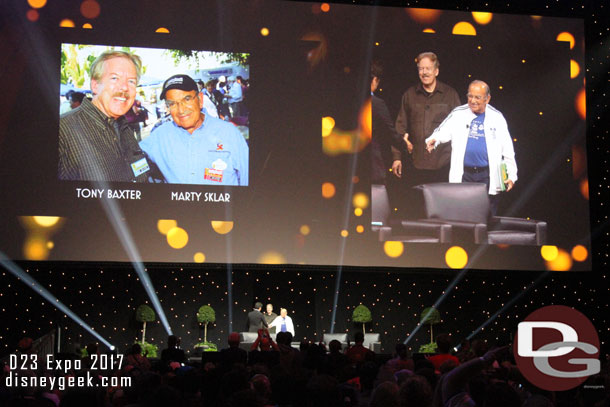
{"type": "Point", "coordinates": [563, 262]}
{"type": "Point", "coordinates": [32, 15]}
{"type": "Point", "coordinates": [66, 23]}
{"type": "Point", "coordinates": [566, 36]}
{"type": "Point", "coordinates": [162, 30]}
{"type": "Point", "coordinates": [328, 190]}
{"type": "Point", "coordinates": [574, 69]}
{"type": "Point", "coordinates": [423, 15]}
{"type": "Point", "coordinates": [429, 30]}
{"type": "Point", "coordinates": [456, 257]}
{"type": "Point", "coordinates": [366, 120]}
{"type": "Point", "coordinates": [393, 249]}
{"type": "Point", "coordinates": [581, 103]}
{"type": "Point", "coordinates": [37, 3]}
{"type": "Point", "coordinates": [463, 28]}
{"type": "Point", "coordinates": [35, 248]}
{"type": "Point", "coordinates": [584, 188]}
{"type": "Point", "coordinates": [482, 17]}
{"type": "Point", "coordinates": [177, 237]}
{"type": "Point", "coordinates": [579, 162]}
{"type": "Point", "coordinates": [271, 257]}
{"type": "Point", "coordinates": [222, 227]}
{"type": "Point", "coordinates": [325, 7]}
{"type": "Point", "coordinates": [580, 253]}
{"type": "Point", "coordinates": [90, 9]}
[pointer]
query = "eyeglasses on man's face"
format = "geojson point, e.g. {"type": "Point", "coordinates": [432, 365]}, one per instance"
{"type": "Point", "coordinates": [427, 69]}
{"type": "Point", "coordinates": [187, 100]}
{"type": "Point", "coordinates": [478, 98]}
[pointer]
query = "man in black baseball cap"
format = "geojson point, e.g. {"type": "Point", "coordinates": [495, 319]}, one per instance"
{"type": "Point", "coordinates": [180, 82]}
{"type": "Point", "coordinates": [195, 148]}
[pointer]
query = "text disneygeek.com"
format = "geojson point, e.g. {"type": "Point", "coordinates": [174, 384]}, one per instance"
{"type": "Point", "coordinates": [29, 371]}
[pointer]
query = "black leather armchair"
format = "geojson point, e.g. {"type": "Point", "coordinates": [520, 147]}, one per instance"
{"type": "Point", "coordinates": [413, 231]}
{"type": "Point", "coordinates": [465, 206]}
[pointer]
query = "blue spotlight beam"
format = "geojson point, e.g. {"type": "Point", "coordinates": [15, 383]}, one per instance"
{"type": "Point", "coordinates": [450, 288]}
{"type": "Point", "coordinates": [15, 270]}
{"type": "Point", "coordinates": [350, 189]}
{"type": "Point", "coordinates": [114, 214]}
{"type": "Point", "coordinates": [509, 304]}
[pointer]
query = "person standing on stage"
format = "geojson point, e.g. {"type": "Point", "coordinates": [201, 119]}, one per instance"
{"type": "Point", "coordinates": [283, 322]}
{"type": "Point", "coordinates": [270, 317]}
{"type": "Point", "coordinates": [424, 106]}
{"type": "Point", "coordinates": [480, 144]}
{"type": "Point", "coordinates": [256, 320]}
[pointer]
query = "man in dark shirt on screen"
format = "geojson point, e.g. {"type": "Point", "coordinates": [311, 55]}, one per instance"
{"type": "Point", "coordinates": [424, 106]}
{"type": "Point", "coordinates": [95, 141]}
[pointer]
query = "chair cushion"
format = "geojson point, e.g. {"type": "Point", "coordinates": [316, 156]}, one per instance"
{"type": "Point", "coordinates": [516, 237]}
{"type": "Point", "coordinates": [368, 338]}
{"type": "Point", "coordinates": [465, 201]}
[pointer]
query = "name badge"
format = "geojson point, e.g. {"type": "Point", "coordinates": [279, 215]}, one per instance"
{"type": "Point", "coordinates": [140, 167]}
{"type": "Point", "coordinates": [212, 174]}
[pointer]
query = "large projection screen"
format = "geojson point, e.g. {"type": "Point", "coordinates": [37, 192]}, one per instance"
{"type": "Point", "coordinates": [306, 123]}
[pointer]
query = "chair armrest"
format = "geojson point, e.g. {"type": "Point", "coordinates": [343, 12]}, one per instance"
{"type": "Point", "coordinates": [529, 225]}
{"type": "Point", "coordinates": [385, 233]}
{"type": "Point", "coordinates": [440, 230]}
{"type": "Point", "coordinates": [506, 222]}
{"type": "Point", "coordinates": [375, 347]}
{"type": "Point", "coordinates": [479, 230]}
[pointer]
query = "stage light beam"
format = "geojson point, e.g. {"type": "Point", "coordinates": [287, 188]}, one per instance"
{"type": "Point", "coordinates": [28, 280]}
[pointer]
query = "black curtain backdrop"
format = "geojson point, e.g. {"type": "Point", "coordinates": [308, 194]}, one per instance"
{"type": "Point", "coordinates": [106, 296]}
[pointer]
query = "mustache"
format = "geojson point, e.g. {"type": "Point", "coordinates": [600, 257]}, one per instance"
{"type": "Point", "coordinates": [121, 95]}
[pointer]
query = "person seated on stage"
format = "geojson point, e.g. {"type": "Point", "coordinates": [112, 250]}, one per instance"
{"type": "Point", "coordinates": [358, 353]}
{"type": "Point", "coordinates": [264, 342]}
{"type": "Point", "coordinates": [172, 353]}
{"type": "Point", "coordinates": [443, 342]}
{"type": "Point", "coordinates": [233, 354]}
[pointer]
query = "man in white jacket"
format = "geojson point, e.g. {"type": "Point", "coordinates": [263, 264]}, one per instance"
{"type": "Point", "coordinates": [283, 323]}
{"type": "Point", "coordinates": [480, 143]}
